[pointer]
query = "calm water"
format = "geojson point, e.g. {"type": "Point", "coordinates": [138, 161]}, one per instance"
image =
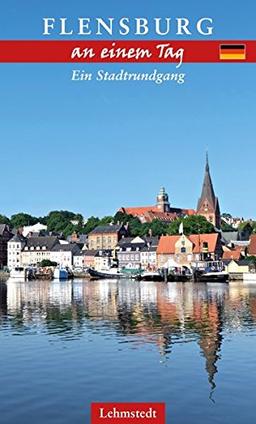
{"type": "Point", "coordinates": [64, 345]}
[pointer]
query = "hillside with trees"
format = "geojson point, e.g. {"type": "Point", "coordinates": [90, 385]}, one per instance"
{"type": "Point", "coordinates": [67, 222]}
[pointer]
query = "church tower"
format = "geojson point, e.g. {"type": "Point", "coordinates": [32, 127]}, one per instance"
{"type": "Point", "coordinates": [163, 204]}
{"type": "Point", "coordinates": [208, 204]}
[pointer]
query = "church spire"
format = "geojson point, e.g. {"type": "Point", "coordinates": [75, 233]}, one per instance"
{"type": "Point", "coordinates": [208, 204]}
{"type": "Point", "coordinates": [207, 162]}
{"type": "Point", "coordinates": [207, 189]}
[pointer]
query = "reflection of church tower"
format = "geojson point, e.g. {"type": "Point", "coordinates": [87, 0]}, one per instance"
{"type": "Point", "coordinates": [163, 204]}
{"type": "Point", "coordinates": [208, 204]}
{"type": "Point", "coordinates": [211, 340]}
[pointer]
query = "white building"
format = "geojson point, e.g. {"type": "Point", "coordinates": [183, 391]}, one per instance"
{"type": "Point", "coordinates": [78, 260]}
{"type": "Point", "coordinates": [31, 251]}
{"type": "Point", "coordinates": [34, 229]}
{"type": "Point", "coordinates": [64, 254]}
{"type": "Point", "coordinates": [37, 249]}
{"type": "Point", "coordinates": [148, 257]}
{"type": "Point", "coordinates": [15, 246]}
{"type": "Point", "coordinates": [103, 259]}
{"type": "Point", "coordinates": [137, 253]}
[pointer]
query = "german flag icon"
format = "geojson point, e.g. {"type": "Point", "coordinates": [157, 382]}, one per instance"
{"type": "Point", "coordinates": [232, 52]}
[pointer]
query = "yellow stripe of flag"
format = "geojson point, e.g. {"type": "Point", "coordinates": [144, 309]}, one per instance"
{"type": "Point", "coordinates": [233, 56]}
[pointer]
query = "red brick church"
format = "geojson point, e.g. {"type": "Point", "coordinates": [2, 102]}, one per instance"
{"type": "Point", "coordinates": [208, 205]}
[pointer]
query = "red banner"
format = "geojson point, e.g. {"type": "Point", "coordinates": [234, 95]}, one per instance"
{"type": "Point", "coordinates": [128, 51]}
{"type": "Point", "coordinates": [127, 413]}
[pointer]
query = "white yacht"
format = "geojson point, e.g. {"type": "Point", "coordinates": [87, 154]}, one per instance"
{"type": "Point", "coordinates": [18, 273]}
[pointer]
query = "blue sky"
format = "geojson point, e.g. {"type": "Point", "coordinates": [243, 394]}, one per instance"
{"type": "Point", "coordinates": [94, 147]}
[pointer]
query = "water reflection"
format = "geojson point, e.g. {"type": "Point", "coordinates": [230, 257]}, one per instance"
{"type": "Point", "coordinates": [141, 313]}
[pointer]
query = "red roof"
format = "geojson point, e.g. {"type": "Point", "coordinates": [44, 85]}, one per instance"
{"type": "Point", "coordinates": [233, 254]}
{"type": "Point", "coordinates": [162, 216]}
{"type": "Point", "coordinates": [167, 243]}
{"type": "Point", "coordinates": [252, 245]}
{"type": "Point", "coordinates": [149, 213]}
{"type": "Point", "coordinates": [189, 212]}
{"type": "Point", "coordinates": [137, 211]}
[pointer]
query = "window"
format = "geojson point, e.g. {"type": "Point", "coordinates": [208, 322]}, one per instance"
{"type": "Point", "coordinates": [205, 247]}
{"type": "Point", "coordinates": [183, 250]}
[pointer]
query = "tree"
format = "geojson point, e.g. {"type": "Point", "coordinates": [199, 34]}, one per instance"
{"type": "Point", "coordinates": [136, 228]}
{"type": "Point", "coordinates": [106, 220]}
{"type": "Point", "coordinates": [4, 220]}
{"type": "Point", "coordinates": [91, 223]}
{"type": "Point", "coordinates": [158, 228]}
{"type": "Point", "coordinates": [194, 224]}
{"type": "Point", "coordinates": [22, 219]}
{"type": "Point", "coordinates": [123, 218]}
{"type": "Point", "coordinates": [226, 227]}
{"type": "Point", "coordinates": [226, 215]}
{"type": "Point", "coordinates": [47, 262]}
{"type": "Point", "coordinates": [64, 222]}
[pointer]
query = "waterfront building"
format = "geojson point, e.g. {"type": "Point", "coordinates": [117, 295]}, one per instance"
{"type": "Point", "coordinates": [106, 236]}
{"type": "Point", "coordinates": [97, 259]}
{"type": "Point", "coordinates": [15, 246]}
{"type": "Point", "coordinates": [31, 251]}
{"type": "Point", "coordinates": [208, 204]}
{"type": "Point", "coordinates": [78, 259]}
{"type": "Point", "coordinates": [38, 248]}
{"type": "Point", "coordinates": [163, 211]}
{"type": "Point", "coordinates": [188, 250]}
{"type": "Point", "coordinates": [63, 254]}
{"type": "Point", "coordinates": [5, 236]}
{"type": "Point", "coordinates": [103, 259]}
{"type": "Point", "coordinates": [138, 252]}
{"type": "Point", "coordinates": [89, 258]}
{"type": "Point", "coordinates": [238, 267]}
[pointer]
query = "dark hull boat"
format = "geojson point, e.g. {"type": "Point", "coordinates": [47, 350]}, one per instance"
{"type": "Point", "coordinates": [108, 274]}
{"type": "Point", "coordinates": [149, 276]}
{"type": "Point", "coordinates": [179, 278]}
{"type": "Point", "coordinates": [211, 277]}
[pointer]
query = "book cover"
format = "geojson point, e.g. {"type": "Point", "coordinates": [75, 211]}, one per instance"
{"type": "Point", "coordinates": [127, 213]}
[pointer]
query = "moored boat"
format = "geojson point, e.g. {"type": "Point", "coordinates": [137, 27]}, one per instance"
{"type": "Point", "coordinates": [211, 277]}
{"type": "Point", "coordinates": [112, 273]}
{"type": "Point", "coordinates": [60, 274]}
{"type": "Point", "coordinates": [149, 276]}
{"type": "Point", "coordinates": [179, 278]}
{"type": "Point", "coordinates": [18, 273]}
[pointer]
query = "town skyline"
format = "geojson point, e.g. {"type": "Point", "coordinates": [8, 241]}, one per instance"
{"type": "Point", "coordinates": [132, 204]}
